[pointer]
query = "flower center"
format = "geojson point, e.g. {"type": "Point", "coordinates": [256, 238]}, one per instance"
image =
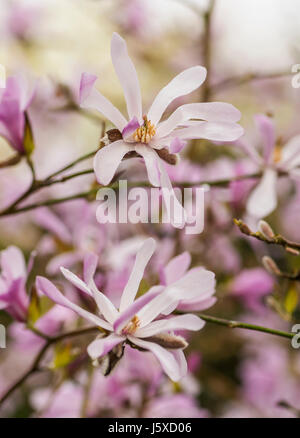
{"type": "Point", "coordinates": [144, 133]}
{"type": "Point", "coordinates": [132, 326]}
{"type": "Point", "coordinates": [277, 154]}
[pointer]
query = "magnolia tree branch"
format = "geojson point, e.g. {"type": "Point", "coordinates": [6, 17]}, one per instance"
{"type": "Point", "coordinates": [270, 238]}
{"type": "Point", "coordinates": [41, 354]}
{"type": "Point", "coordinates": [38, 185]}
{"type": "Point", "coordinates": [35, 367]}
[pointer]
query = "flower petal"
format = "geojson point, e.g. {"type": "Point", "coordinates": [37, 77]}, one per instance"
{"type": "Point", "coordinates": [90, 264]}
{"type": "Point", "coordinates": [150, 158]}
{"type": "Point", "coordinates": [127, 75]}
{"type": "Point", "coordinates": [263, 199]}
{"type": "Point", "coordinates": [175, 213]}
{"type": "Point", "coordinates": [176, 268]}
{"type": "Point", "coordinates": [47, 288]}
{"type": "Point", "coordinates": [129, 129]}
{"type": "Point", "coordinates": [108, 159]}
{"type": "Point", "coordinates": [165, 357]}
{"type": "Point", "coordinates": [184, 83]}
{"type": "Point", "coordinates": [210, 111]}
{"type": "Point", "coordinates": [181, 322]}
{"type": "Point", "coordinates": [267, 131]}
{"type": "Point", "coordinates": [76, 281]}
{"type": "Point", "coordinates": [291, 154]}
{"type": "Point", "coordinates": [142, 258]}
{"type": "Point", "coordinates": [92, 99]}
{"type": "Point", "coordinates": [133, 309]}
{"type": "Point", "coordinates": [100, 347]}
{"type": "Point", "coordinates": [105, 306]}
{"type": "Point", "coordinates": [215, 131]}
{"type": "Point", "coordinates": [12, 263]}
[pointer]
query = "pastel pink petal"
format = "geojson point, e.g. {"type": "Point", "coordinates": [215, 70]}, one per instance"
{"type": "Point", "coordinates": [181, 360]}
{"type": "Point", "coordinates": [12, 263]}
{"type": "Point", "coordinates": [177, 145]}
{"type": "Point", "coordinates": [16, 299]}
{"type": "Point", "coordinates": [214, 131]}
{"type": "Point", "coordinates": [175, 213]}
{"type": "Point", "coordinates": [68, 258]}
{"type": "Point", "coordinates": [108, 159]}
{"type": "Point", "coordinates": [45, 287]}
{"type": "Point", "coordinates": [150, 158]}
{"type": "Point", "coordinates": [250, 150]}
{"type": "Point", "coordinates": [91, 98]}
{"type": "Point", "coordinates": [263, 199]}
{"type": "Point", "coordinates": [142, 258]}
{"type": "Point", "coordinates": [130, 128]}
{"type": "Point", "coordinates": [51, 222]}
{"type": "Point", "coordinates": [135, 307]}
{"type": "Point", "coordinates": [210, 111]}
{"type": "Point", "coordinates": [181, 322]}
{"type": "Point", "coordinates": [184, 83]}
{"type": "Point", "coordinates": [197, 284]}
{"type": "Point", "coordinates": [176, 268]}
{"type": "Point", "coordinates": [76, 281]}
{"type": "Point", "coordinates": [127, 75]}
{"type": "Point", "coordinates": [167, 360]}
{"type": "Point", "coordinates": [291, 154]}
{"type": "Point", "coordinates": [105, 306]}
{"type": "Point", "coordinates": [90, 264]}
{"type": "Point", "coordinates": [196, 305]}
{"type": "Point", "coordinates": [267, 131]}
{"type": "Point", "coordinates": [100, 347]}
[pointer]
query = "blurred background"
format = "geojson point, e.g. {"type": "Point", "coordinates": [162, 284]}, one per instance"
{"type": "Point", "coordinates": [249, 49]}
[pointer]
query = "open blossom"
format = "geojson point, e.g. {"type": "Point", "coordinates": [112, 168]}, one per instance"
{"type": "Point", "coordinates": [13, 278]}
{"type": "Point", "coordinates": [154, 140]}
{"type": "Point", "coordinates": [14, 101]}
{"type": "Point", "coordinates": [136, 320]}
{"type": "Point", "coordinates": [275, 159]}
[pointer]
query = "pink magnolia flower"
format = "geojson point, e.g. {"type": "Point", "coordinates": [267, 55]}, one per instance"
{"type": "Point", "coordinates": [274, 160]}
{"type": "Point", "coordinates": [13, 278]}
{"type": "Point", "coordinates": [154, 140]}
{"type": "Point", "coordinates": [14, 101]}
{"type": "Point", "coordinates": [135, 322]}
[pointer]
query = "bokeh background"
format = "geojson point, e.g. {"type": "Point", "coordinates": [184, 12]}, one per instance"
{"type": "Point", "coordinates": [249, 50]}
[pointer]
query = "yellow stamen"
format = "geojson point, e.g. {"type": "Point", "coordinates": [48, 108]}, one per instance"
{"type": "Point", "coordinates": [277, 154]}
{"type": "Point", "coordinates": [132, 326]}
{"type": "Point", "coordinates": [144, 133]}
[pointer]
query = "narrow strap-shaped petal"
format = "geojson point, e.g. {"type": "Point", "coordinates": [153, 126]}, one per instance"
{"type": "Point", "coordinates": [181, 322]}
{"type": "Point", "coordinates": [165, 357]}
{"type": "Point", "coordinates": [127, 75]}
{"type": "Point", "coordinates": [263, 199]}
{"type": "Point", "coordinates": [108, 159]}
{"type": "Point", "coordinates": [90, 263]}
{"type": "Point", "coordinates": [91, 98]}
{"type": "Point", "coordinates": [214, 131]}
{"type": "Point", "coordinates": [47, 288]}
{"type": "Point", "coordinates": [150, 158]}
{"type": "Point", "coordinates": [184, 83]}
{"type": "Point", "coordinates": [102, 346]}
{"type": "Point", "coordinates": [210, 111]}
{"type": "Point", "coordinates": [267, 131]}
{"type": "Point", "coordinates": [174, 210]}
{"type": "Point", "coordinates": [176, 268]}
{"type": "Point", "coordinates": [181, 360]}
{"type": "Point", "coordinates": [12, 263]}
{"type": "Point", "coordinates": [196, 305]}
{"type": "Point", "coordinates": [105, 306]}
{"type": "Point", "coordinates": [291, 154]}
{"type": "Point", "coordinates": [134, 308]}
{"type": "Point", "coordinates": [76, 281]}
{"type": "Point", "coordinates": [142, 258]}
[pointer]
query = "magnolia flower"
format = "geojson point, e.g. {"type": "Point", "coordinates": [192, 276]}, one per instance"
{"type": "Point", "coordinates": [136, 321]}
{"type": "Point", "coordinates": [275, 159]}
{"type": "Point", "coordinates": [154, 140]}
{"type": "Point", "coordinates": [14, 101]}
{"type": "Point", "coordinates": [13, 278]}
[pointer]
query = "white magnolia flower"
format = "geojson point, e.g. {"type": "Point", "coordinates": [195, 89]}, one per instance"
{"type": "Point", "coordinates": [145, 133]}
{"type": "Point", "coordinates": [141, 322]}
